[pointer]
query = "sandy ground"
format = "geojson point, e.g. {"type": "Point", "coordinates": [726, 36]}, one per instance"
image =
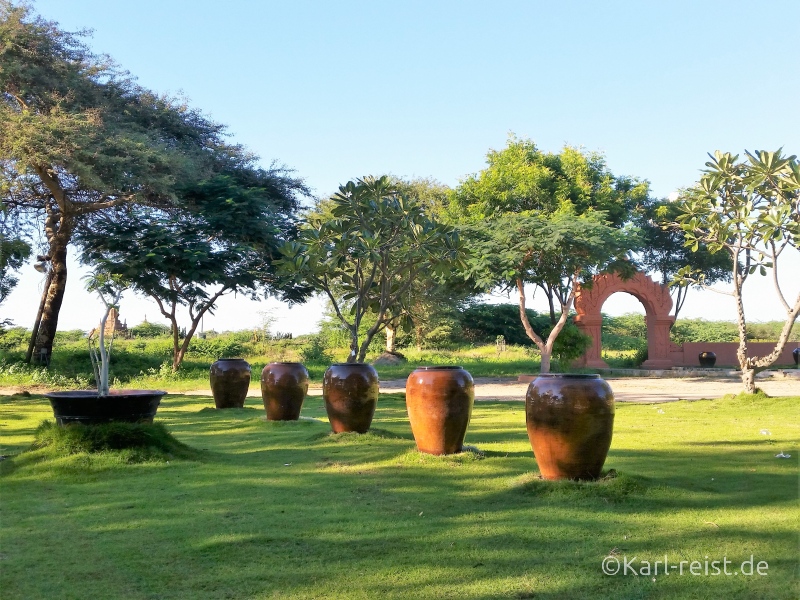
{"type": "Point", "coordinates": [645, 390]}
{"type": "Point", "coordinates": [629, 389]}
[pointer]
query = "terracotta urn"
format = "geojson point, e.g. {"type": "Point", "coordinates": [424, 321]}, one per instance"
{"type": "Point", "coordinates": [439, 402]}
{"type": "Point", "coordinates": [570, 420]}
{"type": "Point", "coordinates": [230, 381]}
{"type": "Point", "coordinates": [350, 393]}
{"type": "Point", "coordinates": [88, 408]}
{"type": "Point", "coordinates": [707, 359]}
{"type": "Point", "coordinates": [283, 388]}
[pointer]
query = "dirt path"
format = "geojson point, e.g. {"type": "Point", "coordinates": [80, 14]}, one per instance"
{"type": "Point", "coordinates": [645, 390]}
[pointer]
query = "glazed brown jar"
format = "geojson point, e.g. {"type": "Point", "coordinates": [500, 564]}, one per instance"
{"type": "Point", "coordinates": [570, 419]}
{"type": "Point", "coordinates": [439, 402]}
{"type": "Point", "coordinates": [283, 387]}
{"type": "Point", "coordinates": [350, 392]}
{"type": "Point", "coordinates": [230, 381]}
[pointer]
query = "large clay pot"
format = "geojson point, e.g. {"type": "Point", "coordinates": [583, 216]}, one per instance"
{"type": "Point", "coordinates": [283, 388]}
{"type": "Point", "coordinates": [87, 408]}
{"type": "Point", "coordinates": [796, 356]}
{"type": "Point", "coordinates": [230, 381]}
{"type": "Point", "coordinates": [570, 420]}
{"type": "Point", "coordinates": [707, 359]}
{"type": "Point", "coordinates": [350, 392]}
{"type": "Point", "coordinates": [439, 402]}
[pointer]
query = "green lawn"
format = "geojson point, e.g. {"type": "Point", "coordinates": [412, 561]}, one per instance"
{"type": "Point", "coordinates": [273, 510]}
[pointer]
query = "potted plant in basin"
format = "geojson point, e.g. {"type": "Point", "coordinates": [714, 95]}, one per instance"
{"type": "Point", "coordinates": [363, 248]}
{"type": "Point", "coordinates": [103, 405]}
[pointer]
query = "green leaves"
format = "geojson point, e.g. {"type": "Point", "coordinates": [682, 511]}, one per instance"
{"type": "Point", "coordinates": [365, 246]}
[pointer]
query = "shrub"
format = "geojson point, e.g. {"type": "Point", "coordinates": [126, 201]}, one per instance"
{"type": "Point", "coordinates": [15, 338]}
{"type": "Point", "coordinates": [222, 346]}
{"type": "Point", "coordinates": [315, 352]}
{"type": "Point", "coordinates": [150, 330]}
{"type": "Point", "coordinates": [483, 323]}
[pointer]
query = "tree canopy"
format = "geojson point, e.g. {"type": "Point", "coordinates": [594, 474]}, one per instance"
{"type": "Point", "coordinates": [554, 252]}
{"type": "Point", "coordinates": [364, 249]}
{"type": "Point", "coordinates": [521, 178]}
{"type": "Point", "coordinates": [223, 240]}
{"type": "Point", "coordinates": [749, 209]}
{"type": "Point", "coordinates": [79, 136]}
{"type": "Point", "coordinates": [549, 220]}
{"type": "Point", "coordinates": [664, 251]}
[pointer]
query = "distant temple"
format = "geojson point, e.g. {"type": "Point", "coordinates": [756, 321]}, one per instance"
{"type": "Point", "coordinates": [113, 324]}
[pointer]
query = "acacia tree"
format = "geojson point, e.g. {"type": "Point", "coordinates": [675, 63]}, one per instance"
{"type": "Point", "coordinates": [78, 137]}
{"type": "Point", "coordinates": [364, 250]}
{"type": "Point", "coordinates": [224, 240]}
{"type": "Point", "coordinates": [553, 252]}
{"type": "Point", "coordinates": [749, 209]}
{"type": "Point", "coordinates": [664, 251]}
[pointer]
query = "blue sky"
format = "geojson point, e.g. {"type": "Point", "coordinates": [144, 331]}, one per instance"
{"type": "Point", "coordinates": [337, 90]}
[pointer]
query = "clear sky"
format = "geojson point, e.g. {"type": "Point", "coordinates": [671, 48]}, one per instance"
{"type": "Point", "coordinates": [337, 90]}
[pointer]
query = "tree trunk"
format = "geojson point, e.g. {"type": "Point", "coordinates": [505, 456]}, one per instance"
{"type": "Point", "coordinates": [749, 380]}
{"type": "Point", "coordinates": [390, 339]}
{"type": "Point", "coordinates": [38, 321]}
{"type": "Point", "coordinates": [54, 294]}
{"type": "Point", "coordinates": [353, 356]}
{"type": "Point", "coordinates": [545, 364]}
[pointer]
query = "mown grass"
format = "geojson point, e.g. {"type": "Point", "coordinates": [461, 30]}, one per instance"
{"type": "Point", "coordinates": [285, 510]}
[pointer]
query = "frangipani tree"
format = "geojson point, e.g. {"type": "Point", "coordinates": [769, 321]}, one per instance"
{"type": "Point", "coordinates": [364, 248]}
{"type": "Point", "coordinates": [751, 210]}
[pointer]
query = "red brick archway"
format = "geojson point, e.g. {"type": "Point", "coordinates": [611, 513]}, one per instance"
{"type": "Point", "coordinates": [657, 306]}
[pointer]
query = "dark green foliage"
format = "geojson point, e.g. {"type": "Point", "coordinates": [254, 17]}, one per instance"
{"type": "Point", "coordinates": [664, 251]}
{"type": "Point", "coordinates": [14, 338]}
{"type": "Point", "coordinates": [364, 247]}
{"type": "Point", "coordinates": [149, 330]}
{"type": "Point", "coordinates": [315, 351]}
{"type": "Point", "coordinates": [482, 323]}
{"type": "Point", "coordinates": [219, 347]}
{"type": "Point", "coordinates": [72, 335]}
{"type": "Point", "coordinates": [700, 330]}
{"type": "Point", "coordinates": [626, 332]}
{"type": "Point", "coordinates": [140, 442]}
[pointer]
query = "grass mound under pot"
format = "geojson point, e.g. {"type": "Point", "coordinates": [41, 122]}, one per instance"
{"type": "Point", "coordinates": [115, 442]}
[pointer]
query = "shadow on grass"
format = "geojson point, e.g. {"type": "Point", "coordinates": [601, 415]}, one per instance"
{"type": "Point", "coordinates": [291, 510]}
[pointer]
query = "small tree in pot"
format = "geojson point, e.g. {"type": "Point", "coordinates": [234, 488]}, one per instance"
{"type": "Point", "coordinates": [110, 290]}
{"type": "Point", "coordinates": [88, 406]}
{"type": "Point", "coordinates": [364, 248]}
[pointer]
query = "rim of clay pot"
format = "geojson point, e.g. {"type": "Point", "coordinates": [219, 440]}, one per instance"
{"type": "Point", "coordinates": [284, 362]}
{"type": "Point", "coordinates": [571, 375]}
{"type": "Point", "coordinates": [345, 364]}
{"type": "Point", "coordinates": [111, 394]}
{"type": "Point", "coordinates": [439, 368]}
{"type": "Point", "coordinates": [230, 359]}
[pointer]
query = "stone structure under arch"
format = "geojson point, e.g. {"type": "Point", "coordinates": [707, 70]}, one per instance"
{"type": "Point", "coordinates": [657, 306]}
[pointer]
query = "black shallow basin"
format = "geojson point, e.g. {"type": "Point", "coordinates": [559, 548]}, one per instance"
{"type": "Point", "coordinates": [87, 408]}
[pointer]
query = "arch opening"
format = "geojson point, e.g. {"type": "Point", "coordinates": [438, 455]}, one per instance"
{"type": "Point", "coordinates": [657, 307]}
